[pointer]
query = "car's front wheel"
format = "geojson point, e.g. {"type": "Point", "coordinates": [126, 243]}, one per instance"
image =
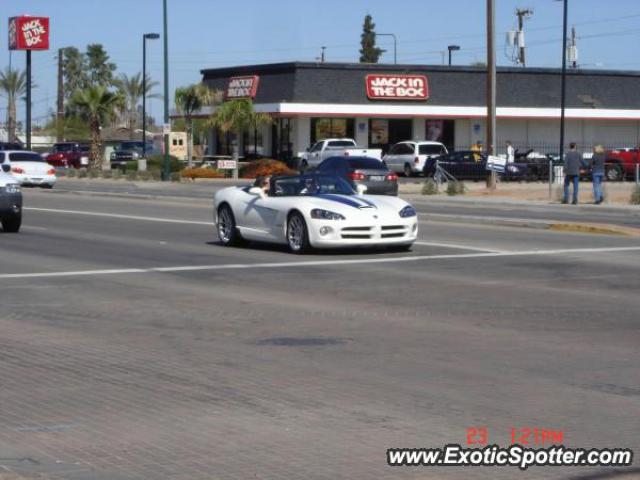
{"type": "Point", "coordinates": [297, 234]}
{"type": "Point", "coordinates": [408, 172]}
{"type": "Point", "coordinates": [11, 224]}
{"type": "Point", "coordinates": [614, 173]}
{"type": "Point", "coordinates": [226, 226]}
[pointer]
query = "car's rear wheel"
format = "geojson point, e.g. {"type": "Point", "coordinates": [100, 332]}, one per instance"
{"type": "Point", "coordinates": [11, 224]}
{"type": "Point", "coordinates": [297, 234]}
{"type": "Point", "coordinates": [408, 172]}
{"type": "Point", "coordinates": [226, 226]}
{"type": "Point", "coordinates": [614, 173]}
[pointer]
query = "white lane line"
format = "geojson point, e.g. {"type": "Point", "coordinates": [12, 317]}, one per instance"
{"type": "Point", "coordinates": [458, 247]}
{"type": "Point", "coordinates": [319, 263]}
{"type": "Point", "coordinates": [117, 215]}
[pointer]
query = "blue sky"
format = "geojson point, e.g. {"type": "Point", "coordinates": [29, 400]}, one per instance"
{"type": "Point", "coordinates": [207, 33]}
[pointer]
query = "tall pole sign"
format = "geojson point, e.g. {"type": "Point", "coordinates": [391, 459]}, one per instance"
{"type": "Point", "coordinates": [28, 33]}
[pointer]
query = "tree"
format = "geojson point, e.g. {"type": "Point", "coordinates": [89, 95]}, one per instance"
{"type": "Point", "coordinates": [132, 89]}
{"type": "Point", "coordinates": [100, 69]}
{"type": "Point", "coordinates": [188, 101]}
{"type": "Point", "coordinates": [13, 84]}
{"type": "Point", "coordinates": [237, 116]}
{"type": "Point", "coordinates": [97, 105]}
{"type": "Point", "coordinates": [369, 53]}
{"type": "Point", "coordinates": [75, 72]}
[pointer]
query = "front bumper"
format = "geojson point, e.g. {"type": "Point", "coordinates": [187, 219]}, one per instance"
{"type": "Point", "coordinates": [10, 203]}
{"type": "Point", "coordinates": [34, 180]}
{"type": "Point", "coordinates": [404, 231]}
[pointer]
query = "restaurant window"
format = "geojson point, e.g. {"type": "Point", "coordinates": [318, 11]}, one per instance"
{"type": "Point", "coordinates": [253, 142]}
{"type": "Point", "coordinates": [322, 128]}
{"type": "Point", "coordinates": [384, 133]}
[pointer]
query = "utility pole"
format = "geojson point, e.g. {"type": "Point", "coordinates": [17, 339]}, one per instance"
{"type": "Point", "coordinates": [522, 13]}
{"type": "Point", "coordinates": [60, 112]}
{"type": "Point", "coordinates": [322, 54]}
{"type": "Point", "coordinates": [563, 87]}
{"type": "Point", "coordinates": [166, 168]}
{"type": "Point", "coordinates": [491, 88]}
{"type": "Point", "coordinates": [28, 119]}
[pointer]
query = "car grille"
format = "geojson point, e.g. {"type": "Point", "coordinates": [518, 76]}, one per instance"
{"type": "Point", "coordinates": [386, 231]}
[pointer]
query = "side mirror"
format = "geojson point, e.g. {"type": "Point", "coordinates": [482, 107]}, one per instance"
{"type": "Point", "coordinates": [6, 168]}
{"type": "Point", "coordinates": [361, 189]}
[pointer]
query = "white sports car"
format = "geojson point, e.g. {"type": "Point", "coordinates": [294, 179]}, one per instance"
{"type": "Point", "coordinates": [313, 211]}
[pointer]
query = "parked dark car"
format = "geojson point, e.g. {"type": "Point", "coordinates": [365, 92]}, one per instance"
{"type": "Point", "coordinates": [130, 150]}
{"type": "Point", "coordinates": [11, 146]}
{"type": "Point", "coordinates": [370, 172]}
{"type": "Point", "coordinates": [469, 165]}
{"type": "Point", "coordinates": [68, 154]}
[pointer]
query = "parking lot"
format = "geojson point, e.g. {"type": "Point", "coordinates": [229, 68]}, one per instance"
{"type": "Point", "coordinates": [134, 346]}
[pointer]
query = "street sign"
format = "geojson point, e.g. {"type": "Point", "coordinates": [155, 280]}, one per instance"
{"type": "Point", "coordinates": [28, 33]}
{"type": "Point", "coordinates": [166, 128]}
{"type": "Point", "coordinates": [496, 164]}
{"type": "Point", "coordinates": [226, 164]}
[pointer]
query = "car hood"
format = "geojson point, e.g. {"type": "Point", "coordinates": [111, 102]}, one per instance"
{"type": "Point", "coordinates": [348, 205]}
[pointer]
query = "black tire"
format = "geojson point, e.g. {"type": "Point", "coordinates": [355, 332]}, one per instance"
{"type": "Point", "coordinates": [407, 170]}
{"type": "Point", "coordinates": [11, 224]}
{"type": "Point", "coordinates": [297, 234]}
{"type": "Point", "coordinates": [614, 173]}
{"type": "Point", "coordinates": [47, 186]}
{"type": "Point", "coordinates": [226, 227]}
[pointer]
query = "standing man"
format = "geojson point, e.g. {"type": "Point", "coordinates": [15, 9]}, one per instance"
{"type": "Point", "coordinates": [511, 153]}
{"type": "Point", "coordinates": [572, 163]}
{"type": "Point", "coordinates": [477, 148]}
{"type": "Point", "coordinates": [597, 172]}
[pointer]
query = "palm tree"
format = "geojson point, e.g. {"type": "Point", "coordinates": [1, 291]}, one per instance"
{"type": "Point", "coordinates": [190, 100]}
{"type": "Point", "coordinates": [132, 89]}
{"type": "Point", "coordinates": [13, 84]}
{"type": "Point", "coordinates": [237, 116]}
{"type": "Point", "coordinates": [97, 105]}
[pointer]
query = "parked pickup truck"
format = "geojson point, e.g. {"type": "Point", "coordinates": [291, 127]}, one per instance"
{"type": "Point", "coordinates": [621, 163]}
{"type": "Point", "coordinates": [333, 147]}
{"type": "Point", "coordinates": [68, 155]}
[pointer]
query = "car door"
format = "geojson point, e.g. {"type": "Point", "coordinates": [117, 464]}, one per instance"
{"type": "Point", "coordinates": [407, 156]}
{"type": "Point", "coordinates": [257, 216]}
{"type": "Point", "coordinates": [391, 158]}
{"type": "Point", "coordinates": [315, 154]}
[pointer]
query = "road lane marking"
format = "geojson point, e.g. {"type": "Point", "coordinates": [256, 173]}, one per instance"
{"type": "Point", "coordinates": [117, 215]}
{"type": "Point", "coordinates": [318, 263]}
{"type": "Point", "coordinates": [457, 246]}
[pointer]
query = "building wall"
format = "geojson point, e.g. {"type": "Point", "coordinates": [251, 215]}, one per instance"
{"type": "Point", "coordinates": [362, 131]}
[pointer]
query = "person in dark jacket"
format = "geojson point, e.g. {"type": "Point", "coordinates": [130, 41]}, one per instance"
{"type": "Point", "coordinates": [572, 164]}
{"type": "Point", "coordinates": [597, 172]}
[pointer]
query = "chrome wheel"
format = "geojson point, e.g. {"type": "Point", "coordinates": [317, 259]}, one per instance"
{"type": "Point", "coordinates": [296, 233]}
{"type": "Point", "coordinates": [226, 225]}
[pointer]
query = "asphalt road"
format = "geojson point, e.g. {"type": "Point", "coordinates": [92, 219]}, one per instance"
{"type": "Point", "coordinates": [133, 346]}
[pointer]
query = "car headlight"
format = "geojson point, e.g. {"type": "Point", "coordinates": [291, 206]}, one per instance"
{"type": "Point", "coordinates": [135, 155]}
{"type": "Point", "coordinates": [512, 169]}
{"type": "Point", "coordinates": [113, 155]}
{"type": "Point", "coordinates": [326, 214]}
{"type": "Point", "coordinates": [12, 188]}
{"type": "Point", "coordinates": [408, 211]}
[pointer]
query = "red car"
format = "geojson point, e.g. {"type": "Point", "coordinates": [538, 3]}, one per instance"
{"type": "Point", "coordinates": [621, 163]}
{"type": "Point", "coordinates": [69, 155]}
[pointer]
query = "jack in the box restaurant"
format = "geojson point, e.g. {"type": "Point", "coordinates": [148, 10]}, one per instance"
{"type": "Point", "coordinates": [379, 105]}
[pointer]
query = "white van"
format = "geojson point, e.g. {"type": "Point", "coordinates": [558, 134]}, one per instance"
{"type": "Point", "coordinates": [409, 157]}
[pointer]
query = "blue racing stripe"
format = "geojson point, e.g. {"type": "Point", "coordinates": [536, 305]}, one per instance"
{"type": "Point", "coordinates": [342, 199]}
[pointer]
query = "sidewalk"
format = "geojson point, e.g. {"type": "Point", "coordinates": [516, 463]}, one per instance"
{"type": "Point", "coordinates": [616, 194]}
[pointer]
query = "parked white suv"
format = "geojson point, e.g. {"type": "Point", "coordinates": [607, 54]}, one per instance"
{"type": "Point", "coordinates": [409, 157]}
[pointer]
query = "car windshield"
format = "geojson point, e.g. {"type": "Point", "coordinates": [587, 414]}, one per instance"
{"type": "Point", "coordinates": [430, 150]}
{"type": "Point", "coordinates": [310, 185]}
{"type": "Point", "coordinates": [366, 164]}
{"type": "Point", "coordinates": [25, 157]}
{"type": "Point", "coordinates": [65, 147]}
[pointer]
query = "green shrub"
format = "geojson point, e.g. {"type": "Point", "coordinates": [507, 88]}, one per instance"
{"type": "Point", "coordinates": [156, 175]}
{"type": "Point", "coordinates": [107, 174]}
{"type": "Point", "coordinates": [82, 173]}
{"type": "Point", "coordinates": [146, 176]}
{"type": "Point", "coordinates": [131, 176]}
{"type": "Point", "coordinates": [635, 195]}
{"type": "Point", "coordinates": [94, 173]}
{"type": "Point", "coordinates": [131, 166]}
{"type": "Point", "coordinates": [156, 162]}
{"type": "Point", "coordinates": [71, 172]}
{"type": "Point", "coordinates": [455, 187]}
{"type": "Point", "coordinates": [116, 174]}
{"type": "Point", "coordinates": [429, 187]}
{"type": "Point", "coordinates": [175, 177]}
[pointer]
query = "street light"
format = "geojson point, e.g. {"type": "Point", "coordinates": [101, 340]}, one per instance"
{"type": "Point", "coordinates": [452, 48]}
{"type": "Point", "coordinates": [395, 44]}
{"type": "Point", "coordinates": [166, 170]}
{"type": "Point", "coordinates": [145, 37]}
{"type": "Point", "coordinates": [563, 90]}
